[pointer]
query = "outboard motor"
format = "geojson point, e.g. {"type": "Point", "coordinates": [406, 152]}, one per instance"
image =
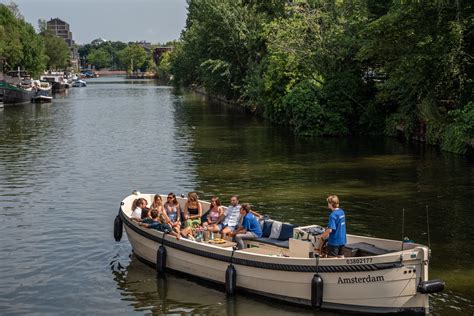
{"type": "Point", "coordinates": [317, 285]}
{"type": "Point", "coordinates": [430, 286]}
{"type": "Point", "coordinates": [118, 227]}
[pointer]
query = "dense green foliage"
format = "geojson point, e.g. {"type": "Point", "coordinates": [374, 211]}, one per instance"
{"type": "Point", "coordinates": [20, 45]}
{"type": "Point", "coordinates": [118, 55]}
{"type": "Point", "coordinates": [57, 51]}
{"type": "Point", "coordinates": [337, 67]}
{"type": "Point", "coordinates": [100, 58]}
{"type": "Point", "coordinates": [133, 57]}
{"type": "Point", "coordinates": [103, 55]}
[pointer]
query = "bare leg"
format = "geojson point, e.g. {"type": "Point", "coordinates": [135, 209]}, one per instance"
{"type": "Point", "coordinates": [175, 234]}
{"type": "Point", "coordinates": [226, 231]}
{"type": "Point", "coordinates": [213, 228]}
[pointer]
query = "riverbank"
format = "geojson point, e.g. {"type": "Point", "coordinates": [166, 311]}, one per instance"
{"type": "Point", "coordinates": [106, 72]}
{"type": "Point", "coordinates": [329, 70]}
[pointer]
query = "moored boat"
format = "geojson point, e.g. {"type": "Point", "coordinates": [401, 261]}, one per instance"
{"type": "Point", "coordinates": [56, 80]}
{"type": "Point", "coordinates": [42, 91]}
{"type": "Point", "coordinates": [79, 83]}
{"type": "Point", "coordinates": [11, 94]}
{"type": "Point", "coordinates": [42, 96]}
{"type": "Point", "coordinates": [375, 275]}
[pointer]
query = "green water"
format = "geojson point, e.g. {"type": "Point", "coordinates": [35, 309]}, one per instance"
{"type": "Point", "coordinates": [65, 167]}
{"type": "Point", "coordinates": [375, 178]}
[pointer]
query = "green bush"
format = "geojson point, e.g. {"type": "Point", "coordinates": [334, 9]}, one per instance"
{"type": "Point", "coordinates": [305, 105]}
{"type": "Point", "coordinates": [459, 133]}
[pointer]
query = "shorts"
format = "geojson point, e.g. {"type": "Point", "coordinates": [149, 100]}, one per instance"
{"type": "Point", "coordinates": [193, 223]}
{"type": "Point", "coordinates": [334, 251]}
{"type": "Point", "coordinates": [222, 226]}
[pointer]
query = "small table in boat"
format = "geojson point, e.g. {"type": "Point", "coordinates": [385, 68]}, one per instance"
{"type": "Point", "coordinates": [224, 244]}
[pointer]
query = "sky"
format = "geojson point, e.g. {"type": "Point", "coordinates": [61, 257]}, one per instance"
{"type": "Point", "coordinates": [155, 21]}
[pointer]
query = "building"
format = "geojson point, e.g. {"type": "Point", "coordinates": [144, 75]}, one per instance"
{"type": "Point", "coordinates": [158, 53]}
{"type": "Point", "coordinates": [61, 29]}
{"type": "Point", "coordinates": [99, 41]}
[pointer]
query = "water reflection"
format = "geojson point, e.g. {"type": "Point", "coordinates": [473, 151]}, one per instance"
{"type": "Point", "coordinates": [178, 294]}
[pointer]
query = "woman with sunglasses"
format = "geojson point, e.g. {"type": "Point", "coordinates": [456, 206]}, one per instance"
{"type": "Point", "coordinates": [173, 211]}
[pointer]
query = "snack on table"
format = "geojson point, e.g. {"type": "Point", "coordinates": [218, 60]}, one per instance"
{"type": "Point", "coordinates": [217, 241]}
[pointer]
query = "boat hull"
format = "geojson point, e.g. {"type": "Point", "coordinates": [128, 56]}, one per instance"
{"type": "Point", "coordinates": [42, 99]}
{"type": "Point", "coordinates": [14, 95]}
{"type": "Point", "coordinates": [383, 286]}
{"type": "Point", "coordinates": [58, 87]}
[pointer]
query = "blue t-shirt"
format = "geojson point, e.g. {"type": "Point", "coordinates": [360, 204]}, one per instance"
{"type": "Point", "coordinates": [251, 224]}
{"type": "Point", "coordinates": [337, 222]}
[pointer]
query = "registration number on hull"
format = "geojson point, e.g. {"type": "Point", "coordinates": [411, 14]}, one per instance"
{"type": "Point", "coordinates": [359, 261]}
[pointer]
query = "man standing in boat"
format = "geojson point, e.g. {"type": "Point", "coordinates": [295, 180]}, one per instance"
{"type": "Point", "coordinates": [336, 228]}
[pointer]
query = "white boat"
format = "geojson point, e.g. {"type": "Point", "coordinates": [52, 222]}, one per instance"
{"type": "Point", "coordinates": [42, 91]}
{"type": "Point", "coordinates": [42, 96]}
{"type": "Point", "coordinates": [56, 79]}
{"type": "Point", "coordinates": [376, 275]}
{"type": "Point", "coordinates": [79, 83]}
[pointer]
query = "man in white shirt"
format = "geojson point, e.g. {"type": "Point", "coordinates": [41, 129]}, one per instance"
{"type": "Point", "coordinates": [232, 217]}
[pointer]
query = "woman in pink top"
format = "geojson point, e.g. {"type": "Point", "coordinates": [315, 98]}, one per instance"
{"type": "Point", "coordinates": [214, 214]}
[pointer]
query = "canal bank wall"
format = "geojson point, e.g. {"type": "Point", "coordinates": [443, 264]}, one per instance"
{"type": "Point", "coordinates": [106, 72]}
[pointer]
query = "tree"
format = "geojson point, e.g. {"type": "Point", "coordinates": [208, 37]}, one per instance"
{"type": "Point", "coordinates": [423, 48]}
{"type": "Point", "coordinates": [132, 54]}
{"type": "Point", "coordinates": [337, 67]}
{"type": "Point", "coordinates": [101, 58]}
{"type": "Point", "coordinates": [34, 57]}
{"type": "Point", "coordinates": [57, 51]}
{"type": "Point", "coordinates": [20, 46]}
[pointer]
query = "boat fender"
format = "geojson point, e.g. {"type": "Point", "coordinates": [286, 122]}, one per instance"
{"type": "Point", "coordinates": [430, 286]}
{"type": "Point", "coordinates": [118, 228]}
{"type": "Point", "coordinates": [317, 291]}
{"type": "Point", "coordinates": [317, 286]}
{"type": "Point", "coordinates": [161, 260]}
{"type": "Point", "coordinates": [230, 279]}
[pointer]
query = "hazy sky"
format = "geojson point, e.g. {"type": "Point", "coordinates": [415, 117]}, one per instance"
{"type": "Point", "coordinates": [117, 20]}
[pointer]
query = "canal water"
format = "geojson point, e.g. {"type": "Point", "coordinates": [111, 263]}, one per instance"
{"type": "Point", "coordinates": [65, 167]}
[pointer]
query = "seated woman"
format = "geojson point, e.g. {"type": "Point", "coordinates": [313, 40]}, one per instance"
{"type": "Point", "coordinates": [173, 212]}
{"type": "Point", "coordinates": [213, 215]}
{"type": "Point", "coordinates": [139, 209]}
{"type": "Point", "coordinates": [192, 210]}
{"type": "Point", "coordinates": [157, 204]}
{"type": "Point", "coordinates": [159, 224]}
